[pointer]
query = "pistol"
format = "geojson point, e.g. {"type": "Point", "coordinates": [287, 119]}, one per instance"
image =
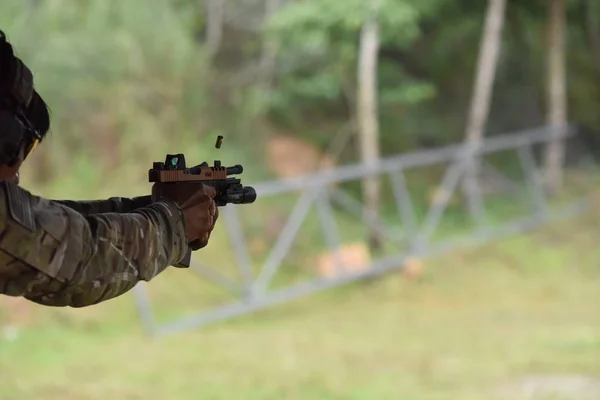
{"type": "Point", "coordinates": [229, 190]}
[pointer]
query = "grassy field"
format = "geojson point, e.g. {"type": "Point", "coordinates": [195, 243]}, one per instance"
{"type": "Point", "coordinates": [488, 323]}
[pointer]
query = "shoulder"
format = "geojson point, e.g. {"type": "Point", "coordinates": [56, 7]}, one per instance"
{"type": "Point", "coordinates": [16, 204]}
{"type": "Point", "coordinates": [20, 208]}
{"type": "Point", "coordinates": [37, 231]}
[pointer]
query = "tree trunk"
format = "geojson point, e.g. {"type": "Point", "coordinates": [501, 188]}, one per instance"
{"type": "Point", "coordinates": [593, 30]}
{"type": "Point", "coordinates": [489, 53]}
{"type": "Point", "coordinates": [556, 92]}
{"type": "Point", "coordinates": [215, 15]}
{"type": "Point", "coordinates": [269, 52]}
{"type": "Point", "coordinates": [367, 118]}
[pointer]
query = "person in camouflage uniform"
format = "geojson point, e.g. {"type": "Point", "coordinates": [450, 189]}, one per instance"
{"type": "Point", "coordinates": [80, 253]}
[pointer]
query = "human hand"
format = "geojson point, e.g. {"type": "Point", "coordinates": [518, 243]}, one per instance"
{"type": "Point", "coordinates": [199, 209]}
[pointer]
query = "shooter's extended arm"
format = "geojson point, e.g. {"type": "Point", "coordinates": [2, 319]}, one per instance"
{"type": "Point", "coordinates": [229, 190]}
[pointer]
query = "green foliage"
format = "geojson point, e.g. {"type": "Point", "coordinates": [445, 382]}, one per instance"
{"type": "Point", "coordinates": [123, 73]}
{"type": "Point", "coordinates": [124, 78]}
{"type": "Point", "coordinates": [320, 39]}
{"type": "Point", "coordinates": [324, 21]}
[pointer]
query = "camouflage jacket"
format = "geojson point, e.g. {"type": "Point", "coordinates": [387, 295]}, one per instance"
{"type": "Point", "coordinates": [72, 253]}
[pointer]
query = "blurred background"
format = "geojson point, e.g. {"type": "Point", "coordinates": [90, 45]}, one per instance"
{"type": "Point", "coordinates": [324, 91]}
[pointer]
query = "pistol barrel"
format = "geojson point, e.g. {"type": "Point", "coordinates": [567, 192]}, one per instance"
{"type": "Point", "coordinates": [246, 195]}
{"type": "Point", "coordinates": [235, 170]}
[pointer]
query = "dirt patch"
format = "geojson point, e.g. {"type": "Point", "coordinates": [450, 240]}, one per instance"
{"type": "Point", "coordinates": [556, 387]}
{"type": "Point", "coordinates": [289, 156]}
{"type": "Point", "coordinates": [354, 257]}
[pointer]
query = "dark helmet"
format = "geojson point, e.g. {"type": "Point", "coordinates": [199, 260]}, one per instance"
{"type": "Point", "coordinates": [24, 117]}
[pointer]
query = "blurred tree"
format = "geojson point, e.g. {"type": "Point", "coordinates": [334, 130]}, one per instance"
{"type": "Point", "coordinates": [556, 92]}
{"type": "Point", "coordinates": [591, 10]}
{"type": "Point", "coordinates": [215, 14]}
{"type": "Point", "coordinates": [489, 52]}
{"type": "Point", "coordinates": [112, 69]}
{"type": "Point", "coordinates": [368, 116]}
{"type": "Point", "coordinates": [268, 61]}
{"type": "Point", "coordinates": [109, 70]}
{"type": "Point", "coordinates": [318, 57]}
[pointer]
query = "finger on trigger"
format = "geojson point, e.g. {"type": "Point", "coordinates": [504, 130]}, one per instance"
{"type": "Point", "coordinates": [210, 191]}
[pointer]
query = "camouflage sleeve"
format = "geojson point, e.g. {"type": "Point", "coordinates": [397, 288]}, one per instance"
{"type": "Point", "coordinates": [55, 256]}
{"type": "Point", "coordinates": [114, 204]}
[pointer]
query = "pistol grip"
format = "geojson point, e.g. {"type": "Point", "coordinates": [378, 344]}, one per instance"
{"type": "Point", "coordinates": [185, 261]}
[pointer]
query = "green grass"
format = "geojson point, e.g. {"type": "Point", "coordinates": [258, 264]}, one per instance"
{"type": "Point", "coordinates": [473, 323]}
